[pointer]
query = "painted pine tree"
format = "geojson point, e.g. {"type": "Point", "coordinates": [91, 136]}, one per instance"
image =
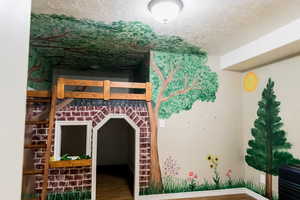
{"type": "Point", "coordinates": [268, 149]}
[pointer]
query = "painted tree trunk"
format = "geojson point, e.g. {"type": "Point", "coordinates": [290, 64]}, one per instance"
{"type": "Point", "coordinates": [155, 172]}
{"type": "Point", "coordinates": [268, 189]}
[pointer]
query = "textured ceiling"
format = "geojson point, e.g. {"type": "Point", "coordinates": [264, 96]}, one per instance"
{"type": "Point", "coordinates": [215, 25]}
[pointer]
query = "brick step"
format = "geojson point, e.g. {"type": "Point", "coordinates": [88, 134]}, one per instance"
{"type": "Point", "coordinates": [36, 122]}
{"type": "Point", "coordinates": [33, 172]}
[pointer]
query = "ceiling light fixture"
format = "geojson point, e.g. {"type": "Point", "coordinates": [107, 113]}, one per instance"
{"type": "Point", "coordinates": [165, 11]}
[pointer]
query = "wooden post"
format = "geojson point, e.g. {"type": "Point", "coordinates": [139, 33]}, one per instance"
{"type": "Point", "coordinates": [61, 88]}
{"type": "Point", "coordinates": [106, 90]}
{"type": "Point", "coordinates": [49, 143]}
{"type": "Point", "coordinates": [148, 91]}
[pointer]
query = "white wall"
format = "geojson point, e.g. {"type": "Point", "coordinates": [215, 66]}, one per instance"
{"type": "Point", "coordinates": [208, 128]}
{"type": "Point", "coordinates": [285, 74]}
{"type": "Point", "coordinates": [14, 40]}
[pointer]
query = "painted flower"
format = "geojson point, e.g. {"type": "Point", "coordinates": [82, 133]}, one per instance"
{"type": "Point", "coordinates": [209, 157]}
{"type": "Point", "coordinates": [191, 174]}
{"type": "Point", "coordinates": [211, 166]}
{"type": "Point", "coordinates": [229, 173]}
{"type": "Point", "coordinates": [195, 176]}
{"type": "Point", "coordinates": [216, 159]}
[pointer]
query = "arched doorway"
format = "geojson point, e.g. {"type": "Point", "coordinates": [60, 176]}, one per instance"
{"type": "Point", "coordinates": [109, 154]}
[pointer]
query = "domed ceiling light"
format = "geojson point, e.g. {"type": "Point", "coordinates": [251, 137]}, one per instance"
{"type": "Point", "coordinates": [165, 11]}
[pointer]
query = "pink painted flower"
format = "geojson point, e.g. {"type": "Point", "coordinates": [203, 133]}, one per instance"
{"type": "Point", "coordinates": [196, 176]}
{"type": "Point", "coordinates": [191, 174]}
{"type": "Point", "coordinates": [229, 173]}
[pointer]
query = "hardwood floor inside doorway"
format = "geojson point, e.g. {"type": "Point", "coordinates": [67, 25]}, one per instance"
{"type": "Point", "coordinates": [114, 184]}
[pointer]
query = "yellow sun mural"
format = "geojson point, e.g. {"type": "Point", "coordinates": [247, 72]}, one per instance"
{"type": "Point", "coordinates": [250, 82]}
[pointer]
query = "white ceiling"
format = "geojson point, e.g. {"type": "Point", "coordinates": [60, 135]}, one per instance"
{"type": "Point", "coordinates": [218, 26]}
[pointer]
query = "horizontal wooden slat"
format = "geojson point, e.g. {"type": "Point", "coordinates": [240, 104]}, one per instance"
{"type": "Point", "coordinates": [84, 95]}
{"type": "Point", "coordinates": [128, 85]}
{"type": "Point", "coordinates": [38, 100]}
{"type": "Point", "coordinates": [36, 122]}
{"type": "Point", "coordinates": [70, 163]}
{"type": "Point", "coordinates": [91, 83]}
{"type": "Point", "coordinates": [123, 96]}
{"type": "Point", "coordinates": [33, 172]}
{"type": "Point", "coordinates": [34, 146]}
{"type": "Point", "coordinates": [95, 95]}
{"type": "Point", "coordinates": [38, 93]}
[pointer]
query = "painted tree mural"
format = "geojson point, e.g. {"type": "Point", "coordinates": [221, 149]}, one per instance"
{"type": "Point", "coordinates": [180, 77]}
{"type": "Point", "coordinates": [179, 80]}
{"type": "Point", "coordinates": [268, 149]}
{"type": "Point", "coordinates": [63, 42]}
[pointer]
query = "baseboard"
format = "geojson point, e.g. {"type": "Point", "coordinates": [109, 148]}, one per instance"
{"type": "Point", "coordinates": [202, 194]}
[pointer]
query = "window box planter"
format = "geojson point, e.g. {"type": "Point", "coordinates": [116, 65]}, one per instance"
{"type": "Point", "coordinates": [70, 163]}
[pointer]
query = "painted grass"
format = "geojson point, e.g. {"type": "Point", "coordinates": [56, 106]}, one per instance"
{"type": "Point", "coordinates": [175, 185]}
{"type": "Point", "coordinates": [72, 195]}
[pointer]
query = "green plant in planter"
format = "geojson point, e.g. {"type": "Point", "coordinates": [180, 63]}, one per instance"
{"type": "Point", "coordinates": [83, 157]}
{"type": "Point", "coordinates": [65, 157]}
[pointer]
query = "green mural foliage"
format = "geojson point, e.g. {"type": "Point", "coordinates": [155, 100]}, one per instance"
{"type": "Point", "coordinates": [63, 42]}
{"type": "Point", "coordinates": [179, 80]}
{"type": "Point", "coordinates": [267, 151]}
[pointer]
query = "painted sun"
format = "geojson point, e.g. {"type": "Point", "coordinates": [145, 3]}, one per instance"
{"type": "Point", "coordinates": [250, 82]}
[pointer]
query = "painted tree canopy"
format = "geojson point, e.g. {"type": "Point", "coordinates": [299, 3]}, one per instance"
{"type": "Point", "coordinates": [179, 80]}
{"type": "Point", "coordinates": [63, 42]}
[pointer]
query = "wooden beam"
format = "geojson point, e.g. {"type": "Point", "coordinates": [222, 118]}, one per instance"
{"type": "Point", "coordinates": [84, 95]}
{"type": "Point", "coordinates": [49, 143]}
{"type": "Point", "coordinates": [33, 172]}
{"type": "Point", "coordinates": [125, 96]}
{"type": "Point", "coordinates": [38, 93]}
{"type": "Point", "coordinates": [35, 146]}
{"type": "Point", "coordinates": [106, 90]}
{"type": "Point", "coordinates": [148, 91]}
{"type": "Point", "coordinates": [90, 83]}
{"type": "Point", "coordinates": [38, 100]}
{"type": "Point", "coordinates": [128, 85]}
{"type": "Point", "coordinates": [61, 88]}
{"type": "Point", "coordinates": [70, 163]}
{"type": "Point", "coordinates": [36, 122]}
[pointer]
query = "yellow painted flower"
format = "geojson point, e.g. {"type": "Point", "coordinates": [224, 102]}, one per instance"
{"type": "Point", "coordinates": [211, 166]}
{"type": "Point", "coordinates": [209, 158]}
{"type": "Point", "coordinates": [216, 159]}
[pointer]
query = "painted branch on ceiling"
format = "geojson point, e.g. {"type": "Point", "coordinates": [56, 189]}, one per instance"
{"type": "Point", "coordinates": [63, 42]}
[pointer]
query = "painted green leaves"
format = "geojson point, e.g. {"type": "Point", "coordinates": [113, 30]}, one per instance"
{"type": "Point", "coordinates": [179, 80]}
{"type": "Point", "coordinates": [65, 42]}
{"type": "Point", "coordinates": [268, 149]}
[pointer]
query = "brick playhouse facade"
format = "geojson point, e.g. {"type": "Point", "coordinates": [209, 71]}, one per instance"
{"type": "Point", "coordinates": [80, 178]}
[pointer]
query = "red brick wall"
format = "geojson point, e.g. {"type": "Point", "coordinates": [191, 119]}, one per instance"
{"type": "Point", "coordinates": [79, 178]}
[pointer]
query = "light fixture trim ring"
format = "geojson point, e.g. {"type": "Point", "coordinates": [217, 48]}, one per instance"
{"type": "Point", "coordinates": [177, 2]}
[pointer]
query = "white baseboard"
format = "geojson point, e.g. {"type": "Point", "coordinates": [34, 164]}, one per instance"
{"type": "Point", "coordinates": [202, 194]}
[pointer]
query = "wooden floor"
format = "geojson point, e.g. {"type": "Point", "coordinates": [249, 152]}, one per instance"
{"type": "Point", "coordinates": [115, 187]}
{"type": "Point", "coordinates": [226, 197]}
